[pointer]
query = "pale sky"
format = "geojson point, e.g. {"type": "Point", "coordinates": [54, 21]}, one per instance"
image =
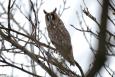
{"type": "Point", "coordinates": [81, 49]}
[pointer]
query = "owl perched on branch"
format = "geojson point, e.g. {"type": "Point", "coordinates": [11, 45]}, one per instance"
{"type": "Point", "coordinates": [59, 35]}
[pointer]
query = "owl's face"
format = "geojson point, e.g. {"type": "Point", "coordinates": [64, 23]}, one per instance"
{"type": "Point", "coordinates": [51, 17]}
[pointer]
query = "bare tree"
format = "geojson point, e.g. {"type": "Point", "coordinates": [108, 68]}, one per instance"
{"type": "Point", "coordinates": [25, 37]}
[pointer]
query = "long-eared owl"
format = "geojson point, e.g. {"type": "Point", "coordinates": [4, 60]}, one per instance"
{"type": "Point", "coordinates": [59, 35]}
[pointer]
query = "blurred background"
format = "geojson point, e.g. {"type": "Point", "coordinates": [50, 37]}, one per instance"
{"type": "Point", "coordinates": [26, 50]}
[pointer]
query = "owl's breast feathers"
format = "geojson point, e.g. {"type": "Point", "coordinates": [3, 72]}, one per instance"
{"type": "Point", "coordinates": [62, 40]}
{"type": "Point", "coordinates": [59, 32]}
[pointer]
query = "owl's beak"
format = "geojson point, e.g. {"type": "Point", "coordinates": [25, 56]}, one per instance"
{"type": "Point", "coordinates": [49, 18]}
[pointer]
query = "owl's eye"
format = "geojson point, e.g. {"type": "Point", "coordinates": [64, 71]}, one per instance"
{"type": "Point", "coordinates": [50, 18]}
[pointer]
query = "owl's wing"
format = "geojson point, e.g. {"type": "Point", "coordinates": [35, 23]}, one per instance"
{"type": "Point", "coordinates": [65, 36]}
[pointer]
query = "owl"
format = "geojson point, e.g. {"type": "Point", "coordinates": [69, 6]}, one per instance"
{"type": "Point", "coordinates": [59, 35]}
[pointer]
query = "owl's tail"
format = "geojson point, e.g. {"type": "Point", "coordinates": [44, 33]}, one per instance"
{"type": "Point", "coordinates": [71, 60]}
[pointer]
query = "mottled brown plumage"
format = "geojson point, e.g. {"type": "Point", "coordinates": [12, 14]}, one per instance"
{"type": "Point", "coordinates": [59, 35]}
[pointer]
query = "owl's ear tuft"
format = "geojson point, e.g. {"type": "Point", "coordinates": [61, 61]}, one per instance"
{"type": "Point", "coordinates": [45, 12]}
{"type": "Point", "coordinates": [54, 11]}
